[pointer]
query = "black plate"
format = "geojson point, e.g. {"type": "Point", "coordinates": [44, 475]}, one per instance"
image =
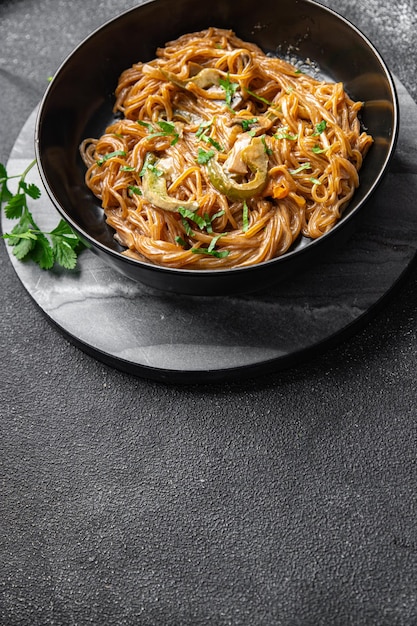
{"type": "Point", "coordinates": [78, 103]}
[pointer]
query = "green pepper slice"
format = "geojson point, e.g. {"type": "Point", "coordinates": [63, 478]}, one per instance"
{"type": "Point", "coordinates": [256, 159]}
{"type": "Point", "coordinates": [154, 190]}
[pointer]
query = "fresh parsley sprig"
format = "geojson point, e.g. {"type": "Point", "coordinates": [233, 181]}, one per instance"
{"type": "Point", "coordinates": [59, 246]}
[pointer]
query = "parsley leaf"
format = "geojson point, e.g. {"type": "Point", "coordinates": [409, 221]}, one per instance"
{"type": "Point", "coordinates": [42, 252]}
{"type": "Point", "coordinates": [15, 206]}
{"type": "Point", "coordinates": [203, 127]}
{"type": "Point", "coordinates": [229, 88]}
{"type": "Point", "coordinates": [245, 217]}
{"type": "Point", "coordinates": [219, 254]}
{"type": "Point", "coordinates": [320, 128]}
{"type": "Point", "coordinates": [268, 150]}
{"type": "Point", "coordinates": [133, 189]}
{"type": "Point", "coordinates": [246, 124]}
{"type": "Point", "coordinates": [317, 150]}
{"type": "Point", "coordinates": [193, 216]}
{"type": "Point", "coordinates": [110, 155]}
{"type": "Point", "coordinates": [211, 141]}
{"type": "Point", "coordinates": [260, 98]}
{"type": "Point", "coordinates": [284, 134]}
{"type": "Point", "coordinates": [305, 166]}
{"type": "Point", "coordinates": [167, 129]}
{"type": "Point", "coordinates": [180, 241]}
{"type": "Point", "coordinates": [204, 157]}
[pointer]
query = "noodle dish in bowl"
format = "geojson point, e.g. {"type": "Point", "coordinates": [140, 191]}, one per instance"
{"type": "Point", "coordinates": [222, 151]}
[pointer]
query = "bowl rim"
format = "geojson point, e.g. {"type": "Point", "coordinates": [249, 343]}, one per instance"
{"type": "Point", "coordinates": [184, 271]}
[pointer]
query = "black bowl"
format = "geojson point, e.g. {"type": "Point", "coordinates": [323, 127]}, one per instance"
{"type": "Point", "coordinates": [78, 103]}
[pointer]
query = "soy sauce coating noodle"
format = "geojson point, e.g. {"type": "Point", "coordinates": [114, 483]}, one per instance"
{"type": "Point", "coordinates": [223, 155]}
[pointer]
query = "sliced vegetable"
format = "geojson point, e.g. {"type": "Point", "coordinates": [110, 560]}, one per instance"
{"type": "Point", "coordinates": [154, 189]}
{"type": "Point", "coordinates": [255, 157]}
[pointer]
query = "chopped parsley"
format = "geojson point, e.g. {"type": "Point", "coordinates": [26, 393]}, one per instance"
{"type": "Point", "coordinates": [320, 128]}
{"type": "Point", "coordinates": [219, 254]}
{"type": "Point", "coordinates": [209, 220]}
{"type": "Point", "coordinates": [167, 129]}
{"type": "Point", "coordinates": [246, 124]}
{"type": "Point", "coordinates": [317, 150]}
{"type": "Point", "coordinates": [229, 88]}
{"type": "Point", "coordinates": [267, 149]}
{"type": "Point", "coordinates": [204, 156]}
{"type": "Point", "coordinates": [149, 165]}
{"type": "Point", "coordinates": [305, 166]}
{"type": "Point", "coordinates": [203, 127]}
{"type": "Point", "coordinates": [110, 155]}
{"type": "Point", "coordinates": [245, 217]}
{"type": "Point", "coordinates": [260, 98]}
{"type": "Point", "coordinates": [180, 241]}
{"type": "Point", "coordinates": [134, 190]}
{"type": "Point", "coordinates": [193, 216]}
{"type": "Point", "coordinates": [212, 142]}
{"type": "Point", "coordinates": [284, 134]}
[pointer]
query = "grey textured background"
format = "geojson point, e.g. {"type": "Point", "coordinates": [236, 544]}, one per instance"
{"type": "Point", "coordinates": [288, 500]}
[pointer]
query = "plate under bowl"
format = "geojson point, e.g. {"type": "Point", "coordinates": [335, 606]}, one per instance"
{"type": "Point", "coordinates": [78, 103]}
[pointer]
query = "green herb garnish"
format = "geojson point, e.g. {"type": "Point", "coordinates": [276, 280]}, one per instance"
{"type": "Point", "coordinates": [110, 155]}
{"type": "Point", "coordinates": [229, 88]}
{"type": "Point", "coordinates": [167, 129]}
{"type": "Point", "coordinates": [219, 254]}
{"type": "Point", "coordinates": [204, 156]}
{"type": "Point", "coordinates": [146, 124]}
{"type": "Point", "coordinates": [180, 241]}
{"type": "Point", "coordinates": [134, 190]}
{"type": "Point", "coordinates": [246, 124]}
{"type": "Point", "coordinates": [315, 181]}
{"type": "Point", "coordinates": [267, 149]}
{"type": "Point", "coordinates": [245, 217]}
{"type": "Point", "coordinates": [320, 128]}
{"type": "Point", "coordinates": [305, 166]}
{"type": "Point", "coordinates": [317, 150]}
{"type": "Point", "coordinates": [260, 98]}
{"type": "Point", "coordinates": [193, 216]}
{"type": "Point", "coordinates": [212, 142]}
{"type": "Point", "coordinates": [209, 220]}
{"type": "Point", "coordinates": [203, 127]}
{"type": "Point", "coordinates": [148, 164]}
{"type": "Point", "coordinates": [284, 134]}
{"type": "Point", "coordinates": [60, 245]}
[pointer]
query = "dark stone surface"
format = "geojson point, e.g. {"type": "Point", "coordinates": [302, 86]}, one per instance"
{"type": "Point", "coordinates": [287, 499]}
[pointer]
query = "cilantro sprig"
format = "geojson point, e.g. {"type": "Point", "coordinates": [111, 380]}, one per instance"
{"type": "Point", "coordinates": [59, 246]}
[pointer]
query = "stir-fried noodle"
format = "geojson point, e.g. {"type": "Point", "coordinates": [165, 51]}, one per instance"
{"type": "Point", "coordinates": [223, 156]}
